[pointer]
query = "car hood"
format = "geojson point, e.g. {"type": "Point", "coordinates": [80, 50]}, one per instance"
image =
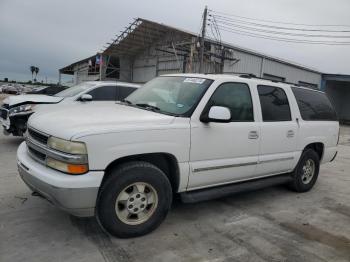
{"type": "Point", "coordinates": [95, 118]}
{"type": "Point", "coordinates": [31, 99]}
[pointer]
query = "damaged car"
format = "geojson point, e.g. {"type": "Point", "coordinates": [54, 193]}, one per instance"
{"type": "Point", "coordinates": [15, 110]}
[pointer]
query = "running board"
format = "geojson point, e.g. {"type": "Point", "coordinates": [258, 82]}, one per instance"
{"type": "Point", "coordinates": [227, 190]}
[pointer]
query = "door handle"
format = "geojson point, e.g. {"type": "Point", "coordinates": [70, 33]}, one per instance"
{"type": "Point", "coordinates": [253, 135]}
{"type": "Point", "coordinates": [290, 133]}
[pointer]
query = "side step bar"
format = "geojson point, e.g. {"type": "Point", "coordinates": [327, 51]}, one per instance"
{"type": "Point", "coordinates": [226, 190]}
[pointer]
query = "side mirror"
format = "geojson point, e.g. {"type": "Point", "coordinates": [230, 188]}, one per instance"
{"type": "Point", "coordinates": [218, 114]}
{"type": "Point", "coordinates": [85, 98]}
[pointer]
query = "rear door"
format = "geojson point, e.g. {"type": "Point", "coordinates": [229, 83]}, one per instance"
{"type": "Point", "coordinates": [278, 131]}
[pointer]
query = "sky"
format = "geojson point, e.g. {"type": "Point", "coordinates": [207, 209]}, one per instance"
{"type": "Point", "coordinates": [55, 33]}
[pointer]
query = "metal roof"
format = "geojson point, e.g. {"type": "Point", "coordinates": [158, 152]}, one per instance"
{"type": "Point", "coordinates": [69, 70]}
{"type": "Point", "coordinates": [143, 33]}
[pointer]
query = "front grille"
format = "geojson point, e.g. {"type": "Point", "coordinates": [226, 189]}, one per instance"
{"type": "Point", "coordinates": [37, 154]}
{"type": "Point", "coordinates": [3, 113]}
{"type": "Point", "coordinates": [41, 138]}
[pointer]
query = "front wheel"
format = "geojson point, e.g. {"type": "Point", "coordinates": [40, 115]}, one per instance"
{"type": "Point", "coordinates": [134, 200]}
{"type": "Point", "coordinates": [306, 172]}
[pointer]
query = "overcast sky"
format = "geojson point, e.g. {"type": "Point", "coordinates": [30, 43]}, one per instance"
{"type": "Point", "coordinates": [54, 33]}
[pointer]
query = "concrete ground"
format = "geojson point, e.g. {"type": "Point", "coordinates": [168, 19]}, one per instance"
{"type": "Point", "coordinates": [273, 224]}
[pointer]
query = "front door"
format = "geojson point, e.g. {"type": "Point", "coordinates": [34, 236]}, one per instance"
{"type": "Point", "coordinates": [225, 152]}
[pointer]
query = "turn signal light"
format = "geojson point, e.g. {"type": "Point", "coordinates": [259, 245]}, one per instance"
{"type": "Point", "coordinates": [77, 169]}
{"type": "Point", "coordinates": [74, 169]}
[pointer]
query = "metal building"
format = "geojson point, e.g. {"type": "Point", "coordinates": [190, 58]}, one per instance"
{"type": "Point", "coordinates": [148, 49]}
{"type": "Point", "coordinates": [337, 88]}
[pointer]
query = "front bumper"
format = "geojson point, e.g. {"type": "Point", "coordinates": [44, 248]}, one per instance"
{"type": "Point", "coordinates": [75, 194]}
{"type": "Point", "coordinates": [5, 123]}
{"type": "Point", "coordinates": [16, 124]}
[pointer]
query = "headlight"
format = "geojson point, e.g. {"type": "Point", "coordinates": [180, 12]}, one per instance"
{"type": "Point", "coordinates": [20, 109]}
{"type": "Point", "coordinates": [74, 169]}
{"type": "Point", "coordinates": [77, 148]}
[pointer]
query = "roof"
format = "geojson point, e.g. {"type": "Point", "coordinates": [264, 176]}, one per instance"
{"type": "Point", "coordinates": [239, 77]}
{"type": "Point", "coordinates": [142, 33]}
{"type": "Point", "coordinates": [117, 83]}
{"type": "Point", "coordinates": [69, 70]}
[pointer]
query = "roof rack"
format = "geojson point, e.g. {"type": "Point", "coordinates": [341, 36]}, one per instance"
{"type": "Point", "coordinates": [250, 76]}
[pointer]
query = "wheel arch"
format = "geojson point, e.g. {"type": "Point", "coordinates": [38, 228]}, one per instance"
{"type": "Point", "coordinates": [164, 161]}
{"type": "Point", "coordinates": [318, 147]}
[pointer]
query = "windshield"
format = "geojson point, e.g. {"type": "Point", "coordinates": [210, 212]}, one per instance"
{"type": "Point", "coordinates": [74, 90]}
{"type": "Point", "coordinates": [175, 95]}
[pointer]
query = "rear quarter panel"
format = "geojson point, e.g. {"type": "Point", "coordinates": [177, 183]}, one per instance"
{"type": "Point", "coordinates": [325, 132]}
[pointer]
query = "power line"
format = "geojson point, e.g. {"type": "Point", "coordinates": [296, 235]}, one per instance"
{"type": "Point", "coordinates": [231, 25]}
{"type": "Point", "coordinates": [279, 22]}
{"type": "Point", "coordinates": [227, 19]}
{"type": "Point", "coordinates": [289, 40]}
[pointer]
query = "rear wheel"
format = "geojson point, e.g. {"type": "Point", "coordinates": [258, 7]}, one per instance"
{"type": "Point", "coordinates": [306, 172]}
{"type": "Point", "coordinates": [134, 200]}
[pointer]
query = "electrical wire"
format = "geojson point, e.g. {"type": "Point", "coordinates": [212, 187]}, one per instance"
{"type": "Point", "coordinates": [231, 25]}
{"type": "Point", "coordinates": [290, 40]}
{"type": "Point", "coordinates": [230, 20]}
{"type": "Point", "coordinates": [275, 32]}
{"type": "Point", "coordinates": [277, 22]}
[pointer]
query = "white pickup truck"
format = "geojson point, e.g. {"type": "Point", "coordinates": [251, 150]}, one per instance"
{"type": "Point", "coordinates": [200, 136]}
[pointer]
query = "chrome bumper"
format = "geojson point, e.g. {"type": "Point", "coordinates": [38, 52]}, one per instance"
{"type": "Point", "coordinates": [78, 201]}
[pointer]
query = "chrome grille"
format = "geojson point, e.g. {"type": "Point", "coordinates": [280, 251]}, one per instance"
{"type": "Point", "coordinates": [36, 154]}
{"type": "Point", "coordinates": [41, 152]}
{"type": "Point", "coordinates": [39, 137]}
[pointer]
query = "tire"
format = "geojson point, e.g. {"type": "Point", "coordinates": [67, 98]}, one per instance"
{"type": "Point", "coordinates": [121, 200]}
{"type": "Point", "coordinates": [304, 177]}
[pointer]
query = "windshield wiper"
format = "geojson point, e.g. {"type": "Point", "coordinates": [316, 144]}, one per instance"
{"type": "Point", "coordinates": [126, 101]}
{"type": "Point", "coordinates": [147, 106]}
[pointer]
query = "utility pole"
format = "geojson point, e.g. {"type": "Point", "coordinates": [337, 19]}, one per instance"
{"type": "Point", "coordinates": [204, 27]}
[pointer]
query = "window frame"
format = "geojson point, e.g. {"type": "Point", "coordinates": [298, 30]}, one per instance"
{"type": "Point", "coordinates": [261, 110]}
{"type": "Point", "coordinates": [206, 109]}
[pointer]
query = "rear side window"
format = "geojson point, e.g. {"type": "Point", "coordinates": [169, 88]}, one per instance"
{"type": "Point", "coordinates": [274, 104]}
{"type": "Point", "coordinates": [314, 106]}
{"type": "Point", "coordinates": [104, 93]}
{"type": "Point", "coordinates": [236, 97]}
{"type": "Point", "coordinates": [124, 91]}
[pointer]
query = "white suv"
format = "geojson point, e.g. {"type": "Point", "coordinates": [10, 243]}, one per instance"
{"type": "Point", "coordinates": [202, 136]}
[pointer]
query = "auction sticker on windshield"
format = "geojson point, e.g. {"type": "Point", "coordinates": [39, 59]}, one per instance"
{"type": "Point", "coordinates": [194, 80]}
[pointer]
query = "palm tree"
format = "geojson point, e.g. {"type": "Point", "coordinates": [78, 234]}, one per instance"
{"type": "Point", "coordinates": [36, 70]}
{"type": "Point", "coordinates": [32, 70]}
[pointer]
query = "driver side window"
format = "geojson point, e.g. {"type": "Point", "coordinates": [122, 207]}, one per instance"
{"type": "Point", "coordinates": [104, 93]}
{"type": "Point", "coordinates": [237, 98]}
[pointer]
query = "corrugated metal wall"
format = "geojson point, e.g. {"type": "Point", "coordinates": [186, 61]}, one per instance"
{"type": "Point", "coordinates": [151, 64]}
{"type": "Point", "coordinates": [81, 73]}
{"type": "Point", "coordinates": [339, 93]}
{"type": "Point", "coordinates": [290, 73]}
{"type": "Point", "coordinates": [247, 64]}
